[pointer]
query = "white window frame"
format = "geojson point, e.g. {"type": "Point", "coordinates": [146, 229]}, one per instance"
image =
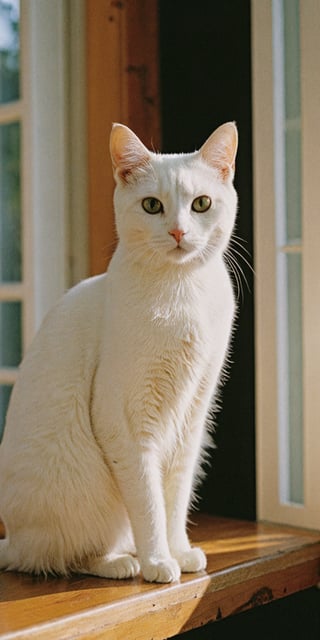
{"type": "Point", "coordinates": [44, 158]}
{"type": "Point", "coordinates": [270, 505]}
{"type": "Point", "coordinates": [54, 152]}
{"type": "Point", "coordinates": [52, 115]}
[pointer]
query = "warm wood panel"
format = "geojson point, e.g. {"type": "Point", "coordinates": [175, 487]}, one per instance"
{"type": "Point", "coordinates": [122, 86]}
{"type": "Point", "coordinates": [248, 565]}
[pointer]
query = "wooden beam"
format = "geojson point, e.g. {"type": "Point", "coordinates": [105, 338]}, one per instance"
{"type": "Point", "coordinates": [122, 86]}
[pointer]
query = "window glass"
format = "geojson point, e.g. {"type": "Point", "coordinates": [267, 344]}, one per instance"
{"type": "Point", "coordinates": [290, 376]}
{"type": "Point", "coordinates": [10, 198]}
{"type": "Point", "coordinates": [5, 392]}
{"type": "Point", "coordinates": [10, 203]}
{"type": "Point", "coordinates": [292, 112]}
{"type": "Point", "coordinates": [10, 334]}
{"type": "Point", "coordinates": [295, 376]}
{"type": "Point", "coordinates": [9, 50]}
{"type": "Point", "coordinates": [287, 118]}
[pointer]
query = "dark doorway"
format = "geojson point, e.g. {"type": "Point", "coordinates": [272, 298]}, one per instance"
{"type": "Point", "coordinates": [205, 68]}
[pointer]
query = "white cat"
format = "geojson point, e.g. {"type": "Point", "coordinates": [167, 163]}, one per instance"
{"type": "Point", "coordinates": [107, 421]}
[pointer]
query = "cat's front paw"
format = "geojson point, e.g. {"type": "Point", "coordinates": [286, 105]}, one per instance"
{"type": "Point", "coordinates": [167, 570]}
{"type": "Point", "coordinates": [117, 567]}
{"type": "Point", "coordinates": [192, 560]}
{"type": "Point", "coordinates": [123, 567]}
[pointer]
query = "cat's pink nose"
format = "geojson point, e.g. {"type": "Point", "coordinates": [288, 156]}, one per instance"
{"type": "Point", "coordinates": [177, 234]}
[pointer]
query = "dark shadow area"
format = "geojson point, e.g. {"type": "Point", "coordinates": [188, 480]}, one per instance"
{"type": "Point", "coordinates": [296, 617]}
{"type": "Point", "coordinates": [205, 65]}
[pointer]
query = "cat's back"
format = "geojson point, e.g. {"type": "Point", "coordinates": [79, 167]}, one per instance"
{"type": "Point", "coordinates": [71, 328]}
{"type": "Point", "coordinates": [61, 359]}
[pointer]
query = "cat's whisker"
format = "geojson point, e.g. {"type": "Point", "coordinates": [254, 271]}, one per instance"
{"type": "Point", "coordinates": [236, 272]}
{"type": "Point", "coordinates": [238, 240]}
{"type": "Point", "coordinates": [232, 254]}
{"type": "Point", "coordinates": [233, 274]}
{"type": "Point", "coordinates": [243, 258]}
{"type": "Point", "coordinates": [241, 271]}
{"type": "Point", "coordinates": [241, 277]}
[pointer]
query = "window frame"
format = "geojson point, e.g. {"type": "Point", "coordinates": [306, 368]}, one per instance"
{"type": "Point", "coordinates": [44, 185]}
{"type": "Point", "coordinates": [269, 504]}
{"type": "Point", "coordinates": [54, 183]}
{"type": "Point", "coordinates": [52, 116]}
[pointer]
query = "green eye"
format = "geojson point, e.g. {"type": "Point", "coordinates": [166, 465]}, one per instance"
{"type": "Point", "coordinates": [152, 205]}
{"type": "Point", "coordinates": [201, 204]}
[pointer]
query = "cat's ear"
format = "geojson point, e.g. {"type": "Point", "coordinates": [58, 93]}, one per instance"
{"type": "Point", "coordinates": [127, 152]}
{"type": "Point", "coordinates": [220, 150]}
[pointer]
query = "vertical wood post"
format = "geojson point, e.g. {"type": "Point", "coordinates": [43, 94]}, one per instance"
{"type": "Point", "coordinates": [122, 86]}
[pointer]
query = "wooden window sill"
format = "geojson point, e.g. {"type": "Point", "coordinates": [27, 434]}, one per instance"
{"type": "Point", "coordinates": [248, 564]}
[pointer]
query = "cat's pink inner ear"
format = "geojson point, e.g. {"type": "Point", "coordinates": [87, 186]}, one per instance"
{"type": "Point", "coordinates": [127, 151]}
{"type": "Point", "coordinates": [220, 150]}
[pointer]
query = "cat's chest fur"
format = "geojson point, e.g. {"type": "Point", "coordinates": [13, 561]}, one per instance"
{"type": "Point", "coordinates": [151, 316]}
{"type": "Point", "coordinates": [163, 342]}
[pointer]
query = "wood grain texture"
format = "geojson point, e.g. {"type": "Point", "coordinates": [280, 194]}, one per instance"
{"type": "Point", "coordinates": [122, 86]}
{"type": "Point", "coordinates": [249, 564]}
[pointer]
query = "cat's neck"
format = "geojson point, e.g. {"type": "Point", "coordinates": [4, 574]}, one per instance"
{"type": "Point", "coordinates": [168, 289]}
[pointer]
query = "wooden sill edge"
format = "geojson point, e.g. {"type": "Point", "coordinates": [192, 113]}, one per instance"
{"type": "Point", "coordinates": [171, 609]}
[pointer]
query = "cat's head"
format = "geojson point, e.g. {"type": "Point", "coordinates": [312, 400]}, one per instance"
{"type": "Point", "coordinates": [174, 208]}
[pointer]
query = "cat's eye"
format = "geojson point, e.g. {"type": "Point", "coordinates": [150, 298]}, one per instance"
{"type": "Point", "coordinates": [201, 204]}
{"type": "Point", "coordinates": [152, 205]}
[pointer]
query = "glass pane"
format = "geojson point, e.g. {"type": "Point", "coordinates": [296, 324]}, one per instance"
{"type": "Point", "coordinates": [290, 382]}
{"type": "Point", "coordinates": [295, 399]}
{"type": "Point", "coordinates": [287, 145]}
{"type": "Point", "coordinates": [292, 57]}
{"type": "Point", "coordinates": [292, 118]}
{"type": "Point", "coordinates": [10, 334]}
{"type": "Point", "coordinates": [5, 392]}
{"type": "Point", "coordinates": [10, 205]}
{"type": "Point", "coordinates": [293, 185]}
{"type": "Point", "coordinates": [287, 118]}
{"type": "Point", "coordinates": [9, 50]}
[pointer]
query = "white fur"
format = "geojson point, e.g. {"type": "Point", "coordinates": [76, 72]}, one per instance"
{"type": "Point", "coordinates": [107, 421]}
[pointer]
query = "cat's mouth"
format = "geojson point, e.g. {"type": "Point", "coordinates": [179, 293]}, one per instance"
{"type": "Point", "coordinates": [179, 254]}
{"type": "Point", "coordinates": [178, 249]}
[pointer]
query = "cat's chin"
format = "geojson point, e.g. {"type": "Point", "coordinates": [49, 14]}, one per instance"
{"type": "Point", "coordinates": [178, 255]}
{"type": "Point", "coordinates": [181, 256]}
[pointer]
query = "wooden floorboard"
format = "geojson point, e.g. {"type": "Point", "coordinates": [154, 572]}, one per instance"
{"type": "Point", "coordinates": [249, 564]}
